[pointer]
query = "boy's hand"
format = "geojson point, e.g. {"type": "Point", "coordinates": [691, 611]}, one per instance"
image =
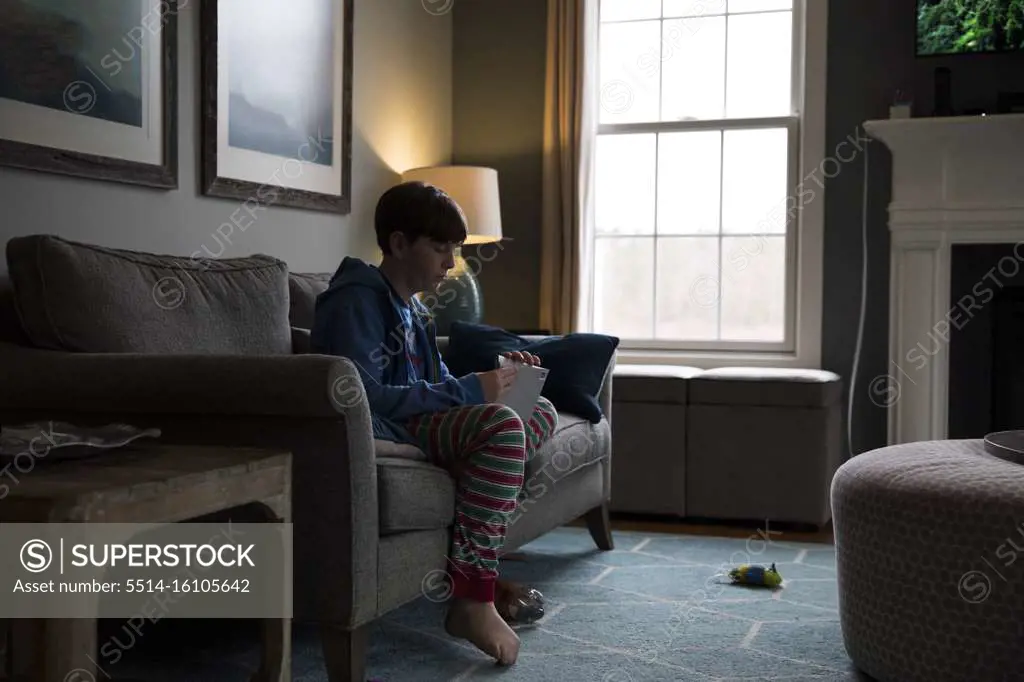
{"type": "Point", "coordinates": [523, 357]}
{"type": "Point", "coordinates": [496, 382]}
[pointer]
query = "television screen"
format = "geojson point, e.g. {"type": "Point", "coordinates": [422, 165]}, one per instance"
{"type": "Point", "coordinates": [963, 26]}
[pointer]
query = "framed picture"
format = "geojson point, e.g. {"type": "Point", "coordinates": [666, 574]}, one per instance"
{"type": "Point", "coordinates": [277, 102]}
{"type": "Point", "coordinates": [91, 93]}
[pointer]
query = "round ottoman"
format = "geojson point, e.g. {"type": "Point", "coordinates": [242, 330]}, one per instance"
{"type": "Point", "coordinates": [930, 562]}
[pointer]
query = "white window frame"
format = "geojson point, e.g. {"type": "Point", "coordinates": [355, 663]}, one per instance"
{"type": "Point", "coordinates": [805, 235]}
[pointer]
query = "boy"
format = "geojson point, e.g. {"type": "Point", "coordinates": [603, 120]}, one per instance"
{"type": "Point", "coordinates": [368, 314]}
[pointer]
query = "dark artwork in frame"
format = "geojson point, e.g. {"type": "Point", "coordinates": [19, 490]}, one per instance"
{"type": "Point", "coordinates": [277, 102]}
{"type": "Point", "coordinates": [90, 94]}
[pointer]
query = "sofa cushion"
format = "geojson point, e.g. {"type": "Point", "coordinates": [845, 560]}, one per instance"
{"type": "Point", "coordinates": [413, 495]}
{"type": "Point", "coordinates": [80, 297]}
{"type": "Point", "coordinates": [663, 384]}
{"type": "Point", "coordinates": [303, 288]}
{"type": "Point", "coordinates": [576, 443]}
{"type": "Point", "coordinates": [766, 386]}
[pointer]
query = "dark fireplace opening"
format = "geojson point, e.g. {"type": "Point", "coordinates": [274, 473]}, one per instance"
{"type": "Point", "coordinates": [986, 339]}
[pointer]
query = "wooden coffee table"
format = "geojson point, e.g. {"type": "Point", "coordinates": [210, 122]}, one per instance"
{"type": "Point", "coordinates": [139, 484]}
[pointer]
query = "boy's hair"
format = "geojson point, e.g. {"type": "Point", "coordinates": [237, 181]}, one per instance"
{"type": "Point", "coordinates": [418, 210]}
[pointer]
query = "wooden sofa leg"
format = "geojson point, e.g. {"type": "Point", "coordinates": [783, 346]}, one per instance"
{"type": "Point", "coordinates": [345, 652]}
{"type": "Point", "coordinates": [600, 527]}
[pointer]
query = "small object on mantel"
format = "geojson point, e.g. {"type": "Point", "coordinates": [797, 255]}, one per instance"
{"type": "Point", "coordinates": [60, 441]}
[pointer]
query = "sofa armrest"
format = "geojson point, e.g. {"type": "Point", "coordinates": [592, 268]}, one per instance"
{"type": "Point", "coordinates": [272, 385]}
{"type": "Point", "coordinates": [313, 406]}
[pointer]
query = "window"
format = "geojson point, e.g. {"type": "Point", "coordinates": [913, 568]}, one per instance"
{"type": "Point", "coordinates": [697, 157]}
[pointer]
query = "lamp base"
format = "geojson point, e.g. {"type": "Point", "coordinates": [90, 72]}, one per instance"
{"type": "Point", "coordinates": [459, 298]}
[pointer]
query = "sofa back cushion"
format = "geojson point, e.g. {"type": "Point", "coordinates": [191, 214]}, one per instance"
{"type": "Point", "coordinates": [303, 288]}
{"type": "Point", "coordinates": [85, 298]}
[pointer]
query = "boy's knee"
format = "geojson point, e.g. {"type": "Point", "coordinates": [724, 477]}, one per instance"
{"type": "Point", "coordinates": [506, 418]}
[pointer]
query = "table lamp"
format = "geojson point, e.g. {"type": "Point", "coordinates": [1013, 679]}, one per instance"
{"type": "Point", "coordinates": [475, 190]}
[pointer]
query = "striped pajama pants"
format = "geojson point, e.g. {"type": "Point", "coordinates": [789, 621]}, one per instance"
{"type": "Point", "coordinates": [486, 448]}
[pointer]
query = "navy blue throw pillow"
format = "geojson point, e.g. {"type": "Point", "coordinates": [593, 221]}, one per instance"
{"type": "Point", "coordinates": [576, 362]}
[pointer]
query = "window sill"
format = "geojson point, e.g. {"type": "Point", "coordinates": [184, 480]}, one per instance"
{"type": "Point", "coordinates": [713, 359]}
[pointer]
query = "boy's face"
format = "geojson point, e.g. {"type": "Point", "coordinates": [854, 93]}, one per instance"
{"type": "Point", "coordinates": [426, 262]}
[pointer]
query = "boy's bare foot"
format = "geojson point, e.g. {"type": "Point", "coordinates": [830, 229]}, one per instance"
{"type": "Point", "coordinates": [480, 623]}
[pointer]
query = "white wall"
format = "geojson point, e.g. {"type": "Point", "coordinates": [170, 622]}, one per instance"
{"type": "Point", "coordinates": [401, 118]}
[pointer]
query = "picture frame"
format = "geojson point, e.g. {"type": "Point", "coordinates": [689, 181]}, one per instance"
{"type": "Point", "coordinates": [91, 95]}
{"type": "Point", "coordinates": [276, 100]}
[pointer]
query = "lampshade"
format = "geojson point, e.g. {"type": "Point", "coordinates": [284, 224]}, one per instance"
{"type": "Point", "coordinates": [475, 189]}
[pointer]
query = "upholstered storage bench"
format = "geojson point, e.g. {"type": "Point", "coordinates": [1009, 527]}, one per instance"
{"type": "Point", "coordinates": [762, 444]}
{"type": "Point", "coordinates": [649, 438]}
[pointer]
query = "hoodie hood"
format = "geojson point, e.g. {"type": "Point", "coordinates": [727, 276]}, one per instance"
{"type": "Point", "coordinates": [355, 272]}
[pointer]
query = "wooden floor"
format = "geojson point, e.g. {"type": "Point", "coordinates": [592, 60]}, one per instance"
{"type": "Point", "coordinates": [727, 530]}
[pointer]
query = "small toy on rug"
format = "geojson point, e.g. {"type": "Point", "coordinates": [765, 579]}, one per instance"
{"type": "Point", "coordinates": [749, 574]}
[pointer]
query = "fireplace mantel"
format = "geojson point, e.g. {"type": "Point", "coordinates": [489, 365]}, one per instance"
{"type": "Point", "coordinates": [954, 180]}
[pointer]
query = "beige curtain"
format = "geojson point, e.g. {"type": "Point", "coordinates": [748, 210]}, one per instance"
{"type": "Point", "coordinates": [569, 126]}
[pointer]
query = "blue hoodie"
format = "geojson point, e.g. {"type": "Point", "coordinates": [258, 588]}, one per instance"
{"type": "Point", "coordinates": [359, 317]}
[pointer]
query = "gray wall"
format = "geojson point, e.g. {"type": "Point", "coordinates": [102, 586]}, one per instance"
{"type": "Point", "coordinates": [401, 119]}
{"type": "Point", "coordinates": [498, 111]}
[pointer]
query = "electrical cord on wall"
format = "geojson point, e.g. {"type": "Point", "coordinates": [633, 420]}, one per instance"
{"type": "Point", "coordinates": [863, 302]}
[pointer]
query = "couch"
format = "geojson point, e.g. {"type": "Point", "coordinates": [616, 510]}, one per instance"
{"type": "Point", "coordinates": [216, 352]}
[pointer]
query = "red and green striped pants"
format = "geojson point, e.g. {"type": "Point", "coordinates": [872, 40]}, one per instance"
{"type": "Point", "coordinates": [486, 448]}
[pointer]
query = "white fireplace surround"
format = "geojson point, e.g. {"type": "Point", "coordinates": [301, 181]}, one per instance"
{"type": "Point", "coordinates": [957, 180]}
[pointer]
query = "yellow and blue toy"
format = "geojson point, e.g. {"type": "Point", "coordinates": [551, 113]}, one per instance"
{"type": "Point", "coordinates": [749, 574]}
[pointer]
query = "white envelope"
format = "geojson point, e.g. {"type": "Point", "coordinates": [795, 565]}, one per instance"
{"type": "Point", "coordinates": [524, 393]}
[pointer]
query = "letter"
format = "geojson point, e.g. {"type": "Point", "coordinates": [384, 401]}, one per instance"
{"type": "Point", "coordinates": [991, 274]}
{"type": "Point", "coordinates": [298, 165]}
{"type": "Point", "coordinates": [130, 644]}
{"type": "Point", "coordinates": [924, 360]}
{"type": "Point", "coordinates": [801, 193]}
{"type": "Point", "coordinates": [251, 206]}
{"type": "Point", "coordinates": [535, 492]}
{"type": "Point", "coordinates": [1013, 261]}
{"type": "Point", "coordinates": [986, 290]}
{"type": "Point", "coordinates": [214, 255]}
{"type": "Point", "coordinates": [840, 157]}
{"type": "Point", "coordinates": [792, 207]}
{"type": "Point", "coordinates": [839, 167]}
{"type": "Point", "coordinates": [469, 265]}
{"type": "Point", "coordinates": [245, 555]}
{"type": "Point", "coordinates": [125, 58]}
{"type": "Point", "coordinates": [816, 180]}
{"type": "Point", "coordinates": [80, 559]}
{"type": "Point", "coordinates": [942, 329]}
{"type": "Point", "coordinates": [152, 555]}
{"type": "Point", "coordinates": [136, 627]}
{"type": "Point", "coordinates": [153, 21]}
{"type": "Point", "coordinates": [857, 140]}
{"type": "Point", "coordinates": [647, 63]}
{"type": "Point", "coordinates": [1016, 252]}
{"type": "Point", "coordinates": [271, 190]}
{"type": "Point", "coordinates": [1008, 554]}
{"type": "Point", "coordinates": [117, 552]}
{"type": "Point", "coordinates": [319, 143]}
{"type": "Point", "coordinates": [230, 229]}
{"type": "Point", "coordinates": [953, 316]}
{"type": "Point", "coordinates": [31, 462]}
{"type": "Point", "coordinates": [136, 35]}
{"type": "Point", "coordinates": [108, 62]}
{"type": "Point", "coordinates": [133, 554]}
{"type": "Point", "coordinates": [480, 251]}
{"type": "Point", "coordinates": [151, 613]}
{"type": "Point", "coordinates": [969, 308]}
{"type": "Point", "coordinates": [451, 294]}
{"type": "Point", "coordinates": [110, 653]}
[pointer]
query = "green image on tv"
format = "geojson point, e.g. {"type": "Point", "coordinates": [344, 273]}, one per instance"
{"type": "Point", "coordinates": [959, 26]}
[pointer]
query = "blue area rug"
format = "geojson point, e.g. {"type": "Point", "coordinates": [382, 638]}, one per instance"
{"type": "Point", "coordinates": [657, 608]}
